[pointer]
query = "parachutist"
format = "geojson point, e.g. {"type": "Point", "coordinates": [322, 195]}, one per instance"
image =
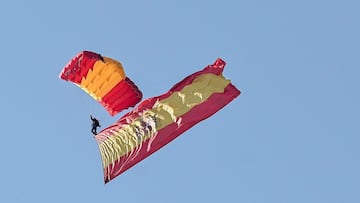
{"type": "Point", "coordinates": [95, 124]}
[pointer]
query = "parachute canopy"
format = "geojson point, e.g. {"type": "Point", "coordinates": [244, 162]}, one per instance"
{"type": "Point", "coordinates": [104, 79]}
{"type": "Point", "coordinates": [158, 120]}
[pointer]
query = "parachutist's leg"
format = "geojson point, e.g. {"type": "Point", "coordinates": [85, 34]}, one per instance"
{"type": "Point", "coordinates": [93, 130]}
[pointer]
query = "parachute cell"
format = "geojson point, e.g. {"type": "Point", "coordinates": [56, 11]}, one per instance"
{"type": "Point", "coordinates": [158, 120]}
{"type": "Point", "coordinates": [104, 79]}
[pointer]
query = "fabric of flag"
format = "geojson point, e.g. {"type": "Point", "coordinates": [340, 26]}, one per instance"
{"type": "Point", "coordinates": [103, 79]}
{"type": "Point", "coordinates": [158, 120]}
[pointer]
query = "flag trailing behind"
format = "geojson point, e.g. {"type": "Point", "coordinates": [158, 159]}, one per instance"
{"type": "Point", "coordinates": [158, 120]}
{"type": "Point", "coordinates": [104, 79]}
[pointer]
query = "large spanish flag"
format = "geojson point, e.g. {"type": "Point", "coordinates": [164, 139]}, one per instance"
{"type": "Point", "coordinates": [158, 120]}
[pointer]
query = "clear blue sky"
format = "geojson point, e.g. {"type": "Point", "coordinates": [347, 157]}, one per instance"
{"type": "Point", "coordinates": [292, 136]}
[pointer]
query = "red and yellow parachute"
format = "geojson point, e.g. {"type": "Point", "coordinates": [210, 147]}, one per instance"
{"type": "Point", "coordinates": [104, 79]}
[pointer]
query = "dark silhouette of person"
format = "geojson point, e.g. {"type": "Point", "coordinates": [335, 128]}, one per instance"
{"type": "Point", "coordinates": [95, 124]}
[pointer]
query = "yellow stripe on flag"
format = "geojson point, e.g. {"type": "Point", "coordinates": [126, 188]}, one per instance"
{"type": "Point", "coordinates": [163, 113]}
